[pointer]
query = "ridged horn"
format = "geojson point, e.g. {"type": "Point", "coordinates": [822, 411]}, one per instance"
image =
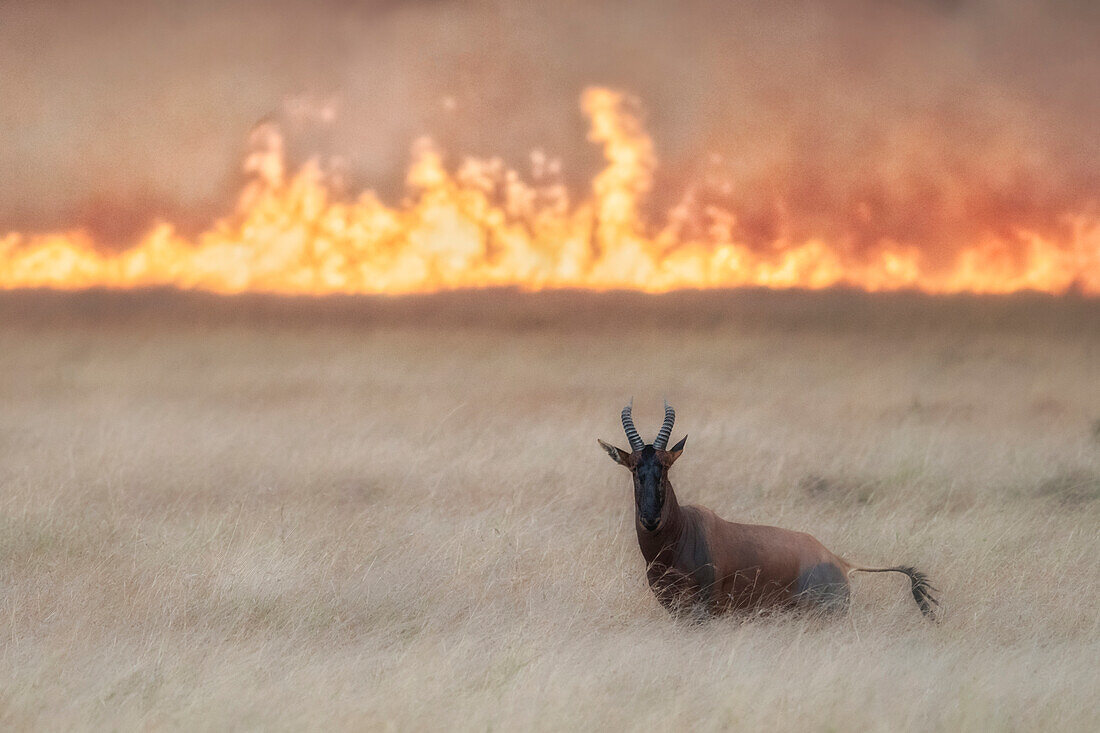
{"type": "Point", "coordinates": [636, 442]}
{"type": "Point", "coordinates": [661, 442]}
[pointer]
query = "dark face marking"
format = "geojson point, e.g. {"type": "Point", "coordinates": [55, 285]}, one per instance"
{"type": "Point", "coordinates": [650, 477]}
{"type": "Point", "coordinates": [649, 468]}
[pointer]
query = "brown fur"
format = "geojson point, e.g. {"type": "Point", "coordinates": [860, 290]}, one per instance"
{"type": "Point", "coordinates": [699, 564]}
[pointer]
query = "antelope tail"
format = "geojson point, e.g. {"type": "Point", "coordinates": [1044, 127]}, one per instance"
{"type": "Point", "coordinates": [918, 583]}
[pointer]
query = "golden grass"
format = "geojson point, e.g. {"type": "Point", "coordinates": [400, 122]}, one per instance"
{"type": "Point", "coordinates": [394, 514]}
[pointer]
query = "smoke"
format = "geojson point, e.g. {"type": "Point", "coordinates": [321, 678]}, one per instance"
{"type": "Point", "coordinates": [922, 121]}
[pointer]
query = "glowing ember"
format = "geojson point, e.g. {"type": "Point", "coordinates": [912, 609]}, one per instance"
{"type": "Point", "coordinates": [483, 226]}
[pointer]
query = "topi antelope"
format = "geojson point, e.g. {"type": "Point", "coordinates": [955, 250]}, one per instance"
{"type": "Point", "coordinates": [699, 564]}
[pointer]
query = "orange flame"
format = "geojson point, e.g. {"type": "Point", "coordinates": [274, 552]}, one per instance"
{"type": "Point", "coordinates": [483, 226]}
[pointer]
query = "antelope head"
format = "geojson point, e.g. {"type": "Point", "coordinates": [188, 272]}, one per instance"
{"type": "Point", "coordinates": [648, 465]}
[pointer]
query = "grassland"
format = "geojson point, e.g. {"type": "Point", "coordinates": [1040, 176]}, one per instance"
{"type": "Point", "coordinates": [393, 514]}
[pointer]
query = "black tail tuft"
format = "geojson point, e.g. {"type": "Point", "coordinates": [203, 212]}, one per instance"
{"type": "Point", "coordinates": [922, 591]}
{"type": "Point", "coordinates": [918, 584]}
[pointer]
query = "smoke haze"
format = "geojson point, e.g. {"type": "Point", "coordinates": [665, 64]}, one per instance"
{"type": "Point", "coordinates": [917, 120]}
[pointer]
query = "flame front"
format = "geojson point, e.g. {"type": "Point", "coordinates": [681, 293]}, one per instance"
{"type": "Point", "coordinates": [484, 226]}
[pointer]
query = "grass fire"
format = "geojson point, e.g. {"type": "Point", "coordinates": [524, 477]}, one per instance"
{"type": "Point", "coordinates": [485, 226]}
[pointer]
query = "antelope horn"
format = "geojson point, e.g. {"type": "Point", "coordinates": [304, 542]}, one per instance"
{"type": "Point", "coordinates": [636, 442]}
{"type": "Point", "coordinates": [661, 442]}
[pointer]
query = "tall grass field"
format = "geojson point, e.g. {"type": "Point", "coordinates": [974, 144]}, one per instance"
{"type": "Point", "coordinates": [392, 514]}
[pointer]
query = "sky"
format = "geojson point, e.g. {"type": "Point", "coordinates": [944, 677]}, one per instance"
{"type": "Point", "coordinates": [936, 116]}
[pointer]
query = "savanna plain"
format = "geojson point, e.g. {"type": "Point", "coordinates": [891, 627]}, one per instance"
{"type": "Point", "coordinates": [225, 513]}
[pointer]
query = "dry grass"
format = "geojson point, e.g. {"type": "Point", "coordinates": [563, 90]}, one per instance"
{"type": "Point", "coordinates": [255, 515]}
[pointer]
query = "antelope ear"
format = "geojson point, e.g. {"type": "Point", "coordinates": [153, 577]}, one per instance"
{"type": "Point", "coordinates": [676, 450]}
{"type": "Point", "coordinates": [618, 455]}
